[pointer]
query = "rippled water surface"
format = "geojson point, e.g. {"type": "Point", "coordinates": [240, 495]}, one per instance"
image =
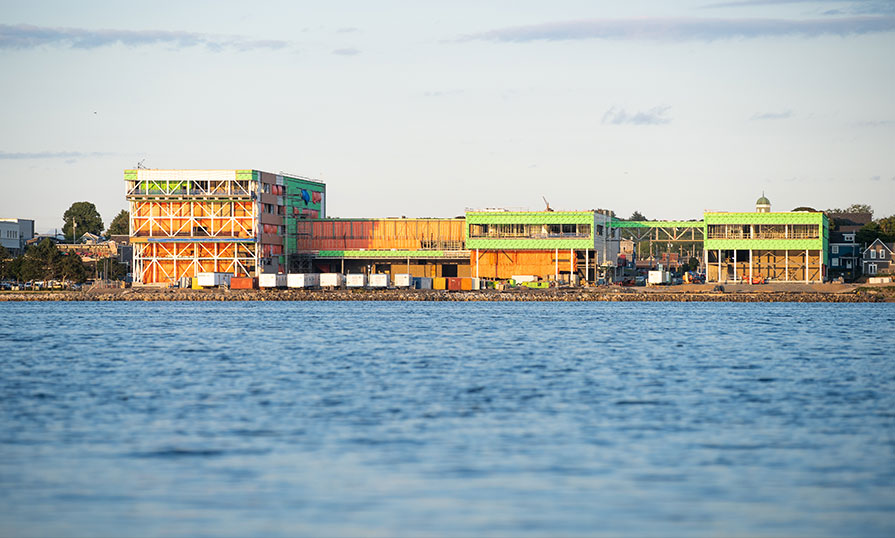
{"type": "Point", "coordinates": [460, 419]}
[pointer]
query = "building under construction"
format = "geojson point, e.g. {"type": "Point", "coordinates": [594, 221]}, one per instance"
{"type": "Point", "coordinates": [553, 245]}
{"type": "Point", "coordinates": [420, 247]}
{"type": "Point", "coordinates": [185, 222]}
{"type": "Point", "coordinates": [766, 246]}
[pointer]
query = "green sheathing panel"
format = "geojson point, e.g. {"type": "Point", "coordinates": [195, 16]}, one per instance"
{"type": "Point", "coordinates": [818, 219]}
{"type": "Point", "coordinates": [657, 224]}
{"type": "Point", "coordinates": [246, 175]}
{"type": "Point", "coordinates": [294, 186]}
{"type": "Point", "coordinates": [534, 217]}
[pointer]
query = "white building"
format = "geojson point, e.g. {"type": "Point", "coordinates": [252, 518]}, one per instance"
{"type": "Point", "coordinates": [14, 233]}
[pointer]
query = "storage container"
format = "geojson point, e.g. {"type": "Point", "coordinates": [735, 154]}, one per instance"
{"type": "Point", "coordinates": [439, 283]}
{"type": "Point", "coordinates": [379, 280]}
{"type": "Point", "coordinates": [403, 280]}
{"type": "Point", "coordinates": [476, 283]}
{"type": "Point", "coordinates": [356, 280]}
{"type": "Point", "coordinates": [302, 280]}
{"type": "Point", "coordinates": [272, 280]}
{"type": "Point", "coordinates": [211, 280]}
{"type": "Point", "coordinates": [453, 283]}
{"type": "Point", "coordinates": [243, 283]}
{"type": "Point", "coordinates": [332, 280]}
{"type": "Point", "coordinates": [524, 278]}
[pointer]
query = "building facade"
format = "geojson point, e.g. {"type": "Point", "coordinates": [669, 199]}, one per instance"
{"type": "Point", "coordinates": [877, 258]}
{"type": "Point", "coordinates": [552, 245]}
{"type": "Point", "coordinates": [845, 256]}
{"type": "Point", "coordinates": [183, 222]}
{"type": "Point", "coordinates": [766, 246]}
{"type": "Point", "coordinates": [419, 247]}
{"type": "Point", "coordinates": [15, 234]}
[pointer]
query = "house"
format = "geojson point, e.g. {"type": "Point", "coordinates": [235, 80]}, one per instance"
{"type": "Point", "coordinates": [845, 256]}
{"type": "Point", "coordinates": [877, 258]}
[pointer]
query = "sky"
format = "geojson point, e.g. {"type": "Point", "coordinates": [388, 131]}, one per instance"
{"type": "Point", "coordinates": [425, 109]}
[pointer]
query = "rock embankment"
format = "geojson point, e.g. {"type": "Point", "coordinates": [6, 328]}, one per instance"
{"type": "Point", "coordinates": [564, 295]}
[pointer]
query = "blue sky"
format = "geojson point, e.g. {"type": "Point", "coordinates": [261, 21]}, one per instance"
{"type": "Point", "coordinates": [425, 109]}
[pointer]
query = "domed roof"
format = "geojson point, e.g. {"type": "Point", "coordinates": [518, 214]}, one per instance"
{"type": "Point", "coordinates": [763, 201]}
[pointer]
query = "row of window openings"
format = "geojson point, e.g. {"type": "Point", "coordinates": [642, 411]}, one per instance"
{"type": "Point", "coordinates": [12, 234]}
{"type": "Point", "coordinates": [763, 231]}
{"type": "Point", "coordinates": [882, 254]}
{"type": "Point", "coordinates": [531, 231]}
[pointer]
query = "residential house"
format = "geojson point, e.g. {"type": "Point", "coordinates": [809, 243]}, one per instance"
{"type": "Point", "coordinates": [877, 258]}
{"type": "Point", "coordinates": [845, 256]}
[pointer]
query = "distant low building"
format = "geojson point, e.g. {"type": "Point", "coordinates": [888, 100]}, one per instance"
{"type": "Point", "coordinates": [15, 234]}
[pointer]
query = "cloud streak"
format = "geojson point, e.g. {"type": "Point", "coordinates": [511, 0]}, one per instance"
{"type": "Point", "coordinates": [26, 36]}
{"type": "Point", "coordinates": [849, 6]}
{"type": "Point", "coordinates": [12, 156]}
{"type": "Point", "coordinates": [786, 114]}
{"type": "Point", "coordinates": [674, 29]}
{"type": "Point", "coordinates": [346, 52]}
{"type": "Point", "coordinates": [653, 116]}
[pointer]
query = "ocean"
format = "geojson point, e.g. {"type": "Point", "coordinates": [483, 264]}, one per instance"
{"type": "Point", "coordinates": [446, 419]}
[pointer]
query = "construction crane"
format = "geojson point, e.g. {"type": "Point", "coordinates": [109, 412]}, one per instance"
{"type": "Point", "coordinates": [547, 204]}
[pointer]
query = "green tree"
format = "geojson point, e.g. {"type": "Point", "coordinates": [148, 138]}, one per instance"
{"type": "Point", "coordinates": [884, 229]}
{"type": "Point", "coordinates": [120, 224]}
{"type": "Point", "coordinates": [40, 261]}
{"type": "Point", "coordinates": [87, 218]}
{"type": "Point", "coordinates": [693, 263]}
{"type": "Point", "coordinates": [4, 261]}
{"type": "Point", "coordinates": [637, 216]}
{"type": "Point", "coordinates": [71, 268]}
{"type": "Point", "coordinates": [854, 208]}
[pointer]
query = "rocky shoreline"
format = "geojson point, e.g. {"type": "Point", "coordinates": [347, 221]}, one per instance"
{"type": "Point", "coordinates": [859, 295]}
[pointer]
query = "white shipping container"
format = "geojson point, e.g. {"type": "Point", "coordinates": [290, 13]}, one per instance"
{"type": "Point", "coordinates": [476, 283]}
{"type": "Point", "coordinates": [425, 283]}
{"type": "Point", "coordinates": [659, 277]}
{"type": "Point", "coordinates": [209, 280]}
{"type": "Point", "coordinates": [524, 278]}
{"type": "Point", "coordinates": [331, 280]}
{"type": "Point", "coordinates": [403, 280]}
{"type": "Point", "coordinates": [272, 280]}
{"type": "Point", "coordinates": [356, 280]}
{"type": "Point", "coordinates": [379, 280]}
{"type": "Point", "coordinates": [302, 280]}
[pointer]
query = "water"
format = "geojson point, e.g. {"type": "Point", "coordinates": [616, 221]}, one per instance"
{"type": "Point", "coordinates": [460, 419]}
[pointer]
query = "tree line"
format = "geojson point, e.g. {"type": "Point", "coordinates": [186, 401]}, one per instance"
{"type": "Point", "coordinates": [44, 261]}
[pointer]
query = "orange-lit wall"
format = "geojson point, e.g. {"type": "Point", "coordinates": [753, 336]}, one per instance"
{"type": "Point", "coordinates": [382, 234]}
{"type": "Point", "coordinates": [167, 219]}
{"type": "Point", "coordinates": [506, 263]}
{"type": "Point", "coordinates": [168, 262]}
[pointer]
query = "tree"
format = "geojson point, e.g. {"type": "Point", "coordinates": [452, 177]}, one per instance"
{"type": "Point", "coordinates": [854, 208]}
{"type": "Point", "coordinates": [71, 268]}
{"type": "Point", "coordinates": [4, 261]}
{"type": "Point", "coordinates": [40, 261]}
{"type": "Point", "coordinates": [120, 224]}
{"type": "Point", "coordinates": [693, 263]}
{"type": "Point", "coordinates": [637, 216]}
{"type": "Point", "coordinates": [884, 229]}
{"type": "Point", "coordinates": [87, 218]}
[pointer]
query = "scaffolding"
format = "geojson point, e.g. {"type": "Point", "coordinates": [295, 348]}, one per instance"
{"type": "Point", "coordinates": [184, 222]}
